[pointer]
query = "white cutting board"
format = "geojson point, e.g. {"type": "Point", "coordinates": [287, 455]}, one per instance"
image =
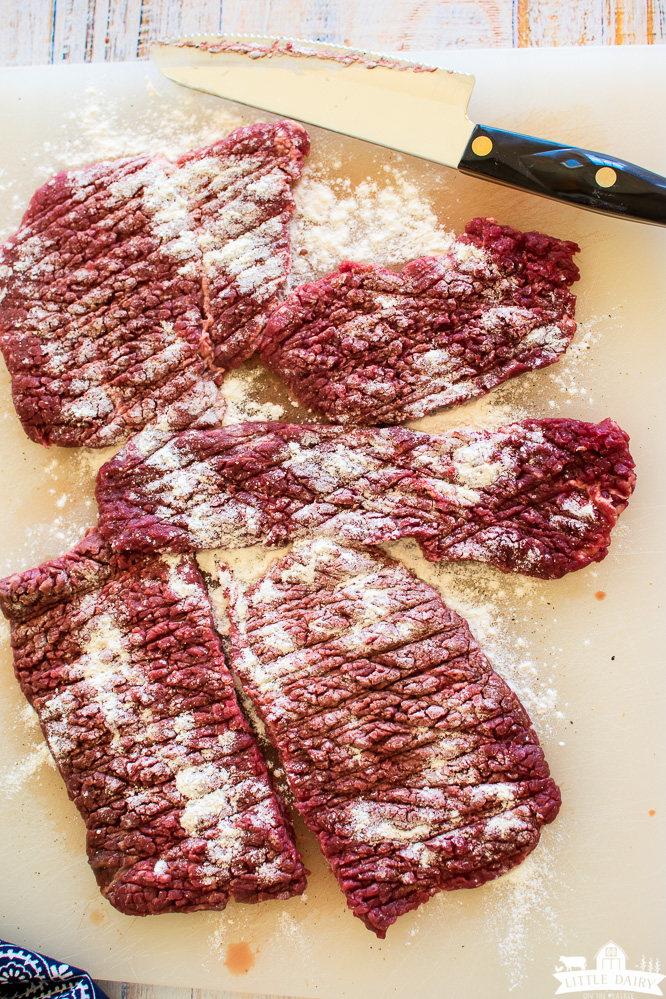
{"type": "Point", "coordinates": [595, 686]}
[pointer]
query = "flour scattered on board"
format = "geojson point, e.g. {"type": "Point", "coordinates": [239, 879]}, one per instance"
{"type": "Point", "coordinates": [517, 903]}
{"type": "Point", "coordinates": [570, 377]}
{"type": "Point", "coordinates": [501, 610]}
{"type": "Point", "coordinates": [61, 497]}
{"type": "Point", "coordinates": [101, 131]}
{"type": "Point", "coordinates": [14, 778]}
{"type": "Point", "coordinates": [240, 392]}
{"type": "Point", "coordinates": [383, 221]}
{"type": "Point", "coordinates": [516, 906]}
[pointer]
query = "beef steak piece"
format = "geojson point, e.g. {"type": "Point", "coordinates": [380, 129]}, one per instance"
{"type": "Point", "coordinates": [132, 281]}
{"type": "Point", "coordinates": [366, 345]}
{"type": "Point", "coordinates": [119, 658]}
{"type": "Point", "coordinates": [411, 760]}
{"type": "Point", "coordinates": [538, 497]}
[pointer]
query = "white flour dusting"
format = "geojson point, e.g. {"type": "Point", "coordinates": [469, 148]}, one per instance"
{"type": "Point", "coordinates": [102, 133]}
{"type": "Point", "coordinates": [570, 378]}
{"type": "Point", "coordinates": [519, 901]}
{"type": "Point", "coordinates": [97, 129]}
{"type": "Point", "coordinates": [500, 610]}
{"type": "Point", "coordinates": [517, 905]}
{"type": "Point", "coordinates": [385, 220]}
{"type": "Point", "coordinates": [488, 599]}
{"type": "Point", "coordinates": [14, 778]}
{"type": "Point", "coordinates": [239, 392]}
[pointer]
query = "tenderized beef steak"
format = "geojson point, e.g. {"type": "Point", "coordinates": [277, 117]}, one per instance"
{"type": "Point", "coordinates": [366, 345]}
{"type": "Point", "coordinates": [412, 761]}
{"type": "Point", "coordinates": [131, 282]}
{"type": "Point", "coordinates": [538, 497]}
{"type": "Point", "coordinates": [119, 657]}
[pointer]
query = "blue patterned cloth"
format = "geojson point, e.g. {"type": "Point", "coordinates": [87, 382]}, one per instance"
{"type": "Point", "coordinates": [26, 975]}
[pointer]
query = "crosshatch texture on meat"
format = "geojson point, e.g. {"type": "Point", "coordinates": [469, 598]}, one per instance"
{"type": "Point", "coordinates": [412, 761]}
{"type": "Point", "coordinates": [121, 662]}
{"type": "Point", "coordinates": [366, 345]}
{"type": "Point", "coordinates": [130, 282]}
{"type": "Point", "coordinates": [538, 497]}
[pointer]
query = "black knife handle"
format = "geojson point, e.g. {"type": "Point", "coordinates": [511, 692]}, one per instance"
{"type": "Point", "coordinates": [566, 173]}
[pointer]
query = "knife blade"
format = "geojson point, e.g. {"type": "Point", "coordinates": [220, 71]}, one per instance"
{"type": "Point", "coordinates": [409, 107]}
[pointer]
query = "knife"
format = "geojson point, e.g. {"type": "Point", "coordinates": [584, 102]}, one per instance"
{"type": "Point", "coordinates": [415, 109]}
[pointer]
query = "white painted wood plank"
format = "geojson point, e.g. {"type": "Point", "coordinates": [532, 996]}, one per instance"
{"type": "Point", "coordinates": [166, 20]}
{"type": "Point", "coordinates": [73, 31]}
{"type": "Point", "coordinates": [43, 31]}
{"type": "Point", "coordinates": [597, 22]}
{"type": "Point", "coordinates": [629, 23]}
{"type": "Point", "coordinates": [26, 32]}
{"type": "Point", "coordinates": [380, 24]}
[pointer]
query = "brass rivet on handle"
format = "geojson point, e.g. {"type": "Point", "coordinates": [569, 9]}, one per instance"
{"type": "Point", "coordinates": [482, 145]}
{"type": "Point", "coordinates": [605, 176]}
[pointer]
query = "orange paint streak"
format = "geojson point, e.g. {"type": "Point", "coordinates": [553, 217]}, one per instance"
{"type": "Point", "coordinates": [651, 33]}
{"type": "Point", "coordinates": [600, 594]}
{"type": "Point", "coordinates": [619, 24]}
{"type": "Point", "coordinates": [523, 24]}
{"type": "Point", "coordinates": [495, 16]}
{"type": "Point", "coordinates": [239, 958]}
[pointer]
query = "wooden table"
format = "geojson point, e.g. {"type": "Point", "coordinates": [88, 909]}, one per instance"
{"type": "Point", "coordinates": [44, 31]}
{"type": "Point", "coordinates": [54, 31]}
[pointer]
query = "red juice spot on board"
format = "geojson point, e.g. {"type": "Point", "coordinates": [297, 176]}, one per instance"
{"type": "Point", "coordinates": [239, 959]}
{"type": "Point", "coordinates": [600, 594]}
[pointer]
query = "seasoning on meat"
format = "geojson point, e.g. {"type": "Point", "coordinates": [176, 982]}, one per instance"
{"type": "Point", "coordinates": [131, 282]}
{"type": "Point", "coordinates": [409, 757]}
{"type": "Point", "coordinates": [119, 658]}
{"type": "Point", "coordinates": [538, 497]}
{"type": "Point", "coordinates": [366, 345]}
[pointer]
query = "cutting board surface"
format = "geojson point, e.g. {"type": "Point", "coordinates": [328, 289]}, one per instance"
{"type": "Point", "coordinates": [589, 668]}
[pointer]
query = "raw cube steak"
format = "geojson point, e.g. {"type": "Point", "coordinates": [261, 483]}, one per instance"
{"type": "Point", "coordinates": [366, 345]}
{"type": "Point", "coordinates": [538, 497]}
{"type": "Point", "coordinates": [131, 281]}
{"type": "Point", "coordinates": [412, 761]}
{"type": "Point", "coordinates": [120, 660]}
